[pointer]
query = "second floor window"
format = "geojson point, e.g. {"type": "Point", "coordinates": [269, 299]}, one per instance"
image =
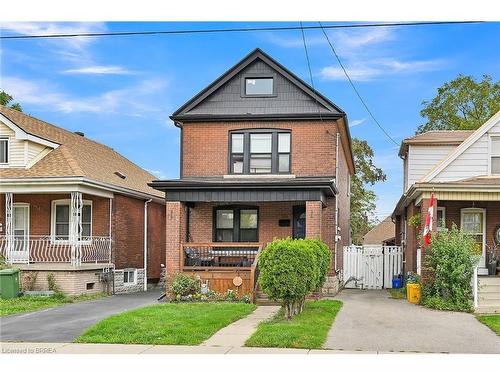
{"type": "Point", "coordinates": [260, 151]}
{"type": "Point", "coordinates": [495, 155]}
{"type": "Point", "coordinates": [4, 150]}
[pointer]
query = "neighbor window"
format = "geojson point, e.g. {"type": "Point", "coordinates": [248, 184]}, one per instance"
{"type": "Point", "coordinates": [259, 86]}
{"type": "Point", "coordinates": [129, 276]}
{"type": "Point", "coordinates": [441, 218]}
{"type": "Point", "coordinates": [4, 150]}
{"type": "Point", "coordinates": [260, 151]}
{"type": "Point", "coordinates": [236, 224]}
{"type": "Point", "coordinates": [61, 214]}
{"type": "Point", "coordinates": [495, 155]}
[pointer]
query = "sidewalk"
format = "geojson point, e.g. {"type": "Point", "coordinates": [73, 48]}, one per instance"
{"type": "Point", "coordinates": [69, 348]}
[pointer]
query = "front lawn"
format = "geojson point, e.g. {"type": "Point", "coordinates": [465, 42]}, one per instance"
{"type": "Point", "coordinates": [492, 321]}
{"type": "Point", "coordinates": [32, 303]}
{"type": "Point", "coordinates": [166, 323]}
{"type": "Point", "coordinates": [306, 330]}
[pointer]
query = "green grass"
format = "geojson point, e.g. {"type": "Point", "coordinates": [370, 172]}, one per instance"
{"type": "Point", "coordinates": [492, 321]}
{"type": "Point", "coordinates": [398, 293]}
{"type": "Point", "coordinates": [306, 330]}
{"type": "Point", "coordinates": [32, 303]}
{"type": "Point", "coordinates": [167, 323]}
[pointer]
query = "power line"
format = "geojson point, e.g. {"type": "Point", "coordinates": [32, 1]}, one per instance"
{"type": "Point", "coordinates": [230, 30]}
{"type": "Point", "coordinates": [354, 87]}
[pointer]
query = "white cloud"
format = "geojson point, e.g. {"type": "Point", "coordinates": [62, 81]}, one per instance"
{"type": "Point", "coordinates": [136, 100]}
{"type": "Point", "coordinates": [99, 69]}
{"type": "Point", "coordinates": [159, 174]}
{"type": "Point", "coordinates": [356, 122]}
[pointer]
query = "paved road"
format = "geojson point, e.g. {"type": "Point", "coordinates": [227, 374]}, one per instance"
{"type": "Point", "coordinates": [371, 321]}
{"type": "Point", "coordinates": [64, 323]}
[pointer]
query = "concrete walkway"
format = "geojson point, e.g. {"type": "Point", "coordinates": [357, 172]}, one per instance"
{"type": "Point", "coordinates": [67, 348]}
{"type": "Point", "coordinates": [371, 321]}
{"type": "Point", "coordinates": [64, 323]}
{"type": "Point", "coordinates": [235, 334]}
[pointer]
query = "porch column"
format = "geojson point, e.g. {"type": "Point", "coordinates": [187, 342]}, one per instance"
{"type": "Point", "coordinates": [9, 228]}
{"type": "Point", "coordinates": [75, 227]}
{"type": "Point", "coordinates": [175, 224]}
{"type": "Point", "coordinates": [313, 219]}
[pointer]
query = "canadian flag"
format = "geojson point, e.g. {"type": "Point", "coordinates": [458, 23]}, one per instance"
{"type": "Point", "coordinates": [429, 220]}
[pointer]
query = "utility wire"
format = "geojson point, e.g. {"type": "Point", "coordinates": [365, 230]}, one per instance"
{"type": "Point", "coordinates": [310, 70]}
{"type": "Point", "coordinates": [354, 87]}
{"type": "Point", "coordinates": [229, 30]}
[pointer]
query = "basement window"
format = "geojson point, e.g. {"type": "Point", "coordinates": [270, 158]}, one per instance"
{"type": "Point", "coordinates": [130, 276]}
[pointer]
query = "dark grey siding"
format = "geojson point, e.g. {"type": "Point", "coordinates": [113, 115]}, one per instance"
{"type": "Point", "coordinates": [288, 99]}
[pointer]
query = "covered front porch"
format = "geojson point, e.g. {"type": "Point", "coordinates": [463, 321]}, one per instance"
{"type": "Point", "coordinates": [216, 231]}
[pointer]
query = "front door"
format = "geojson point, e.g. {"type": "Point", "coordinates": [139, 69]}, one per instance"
{"type": "Point", "coordinates": [20, 226]}
{"type": "Point", "coordinates": [299, 222]}
{"type": "Point", "coordinates": [473, 221]}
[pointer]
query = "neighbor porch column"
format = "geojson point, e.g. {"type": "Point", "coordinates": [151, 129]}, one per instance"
{"type": "Point", "coordinates": [313, 219]}
{"type": "Point", "coordinates": [75, 226]}
{"type": "Point", "coordinates": [9, 228]}
{"type": "Point", "coordinates": [175, 234]}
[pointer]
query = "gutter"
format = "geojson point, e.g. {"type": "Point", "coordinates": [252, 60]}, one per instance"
{"type": "Point", "coordinates": [146, 244]}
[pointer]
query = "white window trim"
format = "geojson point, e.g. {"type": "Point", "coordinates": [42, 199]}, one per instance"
{"type": "Point", "coordinates": [134, 272]}
{"type": "Point", "coordinates": [475, 210]}
{"type": "Point", "coordinates": [491, 154]}
{"type": "Point", "coordinates": [56, 202]}
{"type": "Point", "coordinates": [8, 151]}
{"type": "Point", "coordinates": [443, 228]}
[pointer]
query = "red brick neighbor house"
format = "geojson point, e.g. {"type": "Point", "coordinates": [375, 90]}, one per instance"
{"type": "Point", "coordinates": [462, 169]}
{"type": "Point", "coordinates": [263, 156]}
{"type": "Point", "coordinates": [77, 209]}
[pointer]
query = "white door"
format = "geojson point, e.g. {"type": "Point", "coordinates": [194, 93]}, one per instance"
{"type": "Point", "coordinates": [20, 225]}
{"type": "Point", "coordinates": [473, 221]}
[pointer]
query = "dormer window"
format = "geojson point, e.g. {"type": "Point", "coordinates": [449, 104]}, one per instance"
{"type": "Point", "coordinates": [259, 86]}
{"type": "Point", "coordinates": [4, 150]}
{"type": "Point", "coordinates": [495, 155]}
{"type": "Point", "coordinates": [260, 151]}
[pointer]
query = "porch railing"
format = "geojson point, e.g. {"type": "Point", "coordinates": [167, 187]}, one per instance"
{"type": "Point", "coordinates": [218, 255]}
{"type": "Point", "coordinates": [47, 249]}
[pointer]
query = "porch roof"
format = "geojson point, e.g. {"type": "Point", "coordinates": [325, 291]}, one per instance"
{"type": "Point", "coordinates": [251, 189]}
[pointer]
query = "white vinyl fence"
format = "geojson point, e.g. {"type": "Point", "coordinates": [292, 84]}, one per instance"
{"type": "Point", "coordinates": [371, 267]}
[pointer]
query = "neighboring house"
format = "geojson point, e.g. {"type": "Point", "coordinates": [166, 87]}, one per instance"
{"type": "Point", "coordinates": [76, 208]}
{"type": "Point", "coordinates": [381, 234]}
{"type": "Point", "coordinates": [263, 156]}
{"type": "Point", "coordinates": [462, 169]}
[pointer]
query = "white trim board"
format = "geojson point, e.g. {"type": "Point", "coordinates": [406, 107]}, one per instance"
{"type": "Point", "coordinates": [21, 134]}
{"type": "Point", "coordinates": [474, 137]}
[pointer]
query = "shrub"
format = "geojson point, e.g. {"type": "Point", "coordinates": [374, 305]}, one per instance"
{"type": "Point", "coordinates": [184, 285]}
{"type": "Point", "coordinates": [450, 261]}
{"type": "Point", "coordinates": [291, 269]}
{"type": "Point", "coordinates": [51, 281]}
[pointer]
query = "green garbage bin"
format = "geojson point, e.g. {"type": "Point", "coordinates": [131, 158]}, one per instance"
{"type": "Point", "coordinates": [9, 283]}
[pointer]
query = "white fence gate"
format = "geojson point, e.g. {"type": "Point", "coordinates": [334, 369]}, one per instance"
{"type": "Point", "coordinates": [371, 267]}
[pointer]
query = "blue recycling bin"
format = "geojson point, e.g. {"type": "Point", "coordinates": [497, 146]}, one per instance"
{"type": "Point", "coordinates": [396, 283]}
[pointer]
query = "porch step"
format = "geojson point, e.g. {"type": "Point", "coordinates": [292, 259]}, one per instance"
{"type": "Point", "coordinates": [489, 280]}
{"type": "Point", "coordinates": [489, 289]}
{"type": "Point", "coordinates": [489, 296]}
{"type": "Point", "coordinates": [487, 310]}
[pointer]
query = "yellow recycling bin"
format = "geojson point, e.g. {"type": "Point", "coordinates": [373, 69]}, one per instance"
{"type": "Point", "coordinates": [413, 293]}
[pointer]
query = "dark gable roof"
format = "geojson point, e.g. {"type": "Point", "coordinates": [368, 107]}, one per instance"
{"type": "Point", "coordinates": [223, 99]}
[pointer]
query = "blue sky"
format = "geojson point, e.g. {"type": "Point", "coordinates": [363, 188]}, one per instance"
{"type": "Point", "coordinates": [121, 90]}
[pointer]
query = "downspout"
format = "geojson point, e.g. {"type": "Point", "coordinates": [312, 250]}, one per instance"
{"type": "Point", "coordinates": [336, 200]}
{"type": "Point", "coordinates": [146, 244]}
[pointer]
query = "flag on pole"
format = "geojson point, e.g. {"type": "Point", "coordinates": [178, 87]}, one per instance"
{"type": "Point", "coordinates": [429, 220]}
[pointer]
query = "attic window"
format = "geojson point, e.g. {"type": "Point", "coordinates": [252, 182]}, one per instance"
{"type": "Point", "coordinates": [121, 175]}
{"type": "Point", "coordinates": [259, 86]}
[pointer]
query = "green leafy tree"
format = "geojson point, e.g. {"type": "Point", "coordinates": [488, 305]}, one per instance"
{"type": "Point", "coordinates": [6, 100]}
{"type": "Point", "coordinates": [461, 104]}
{"type": "Point", "coordinates": [362, 198]}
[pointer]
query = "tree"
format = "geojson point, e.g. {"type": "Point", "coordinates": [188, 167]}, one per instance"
{"type": "Point", "coordinates": [362, 198]}
{"type": "Point", "coordinates": [461, 104]}
{"type": "Point", "coordinates": [6, 100]}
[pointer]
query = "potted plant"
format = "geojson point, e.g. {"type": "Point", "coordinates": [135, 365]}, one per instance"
{"type": "Point", "coordinates": [492, 262]}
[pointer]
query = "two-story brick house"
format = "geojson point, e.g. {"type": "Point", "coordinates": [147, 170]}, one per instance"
{"type": "Point", "coordinates": [77, 209]}
{"type": "Point", "coordinates": [263, 156]}
{"type": "Point", "coordinates": [462, 170]}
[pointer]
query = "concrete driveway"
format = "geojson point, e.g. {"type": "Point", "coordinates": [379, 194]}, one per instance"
{"type": "Point", "coordinates": [371, 321]}
{"type": "Point", "coordinates": [64, 323]}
